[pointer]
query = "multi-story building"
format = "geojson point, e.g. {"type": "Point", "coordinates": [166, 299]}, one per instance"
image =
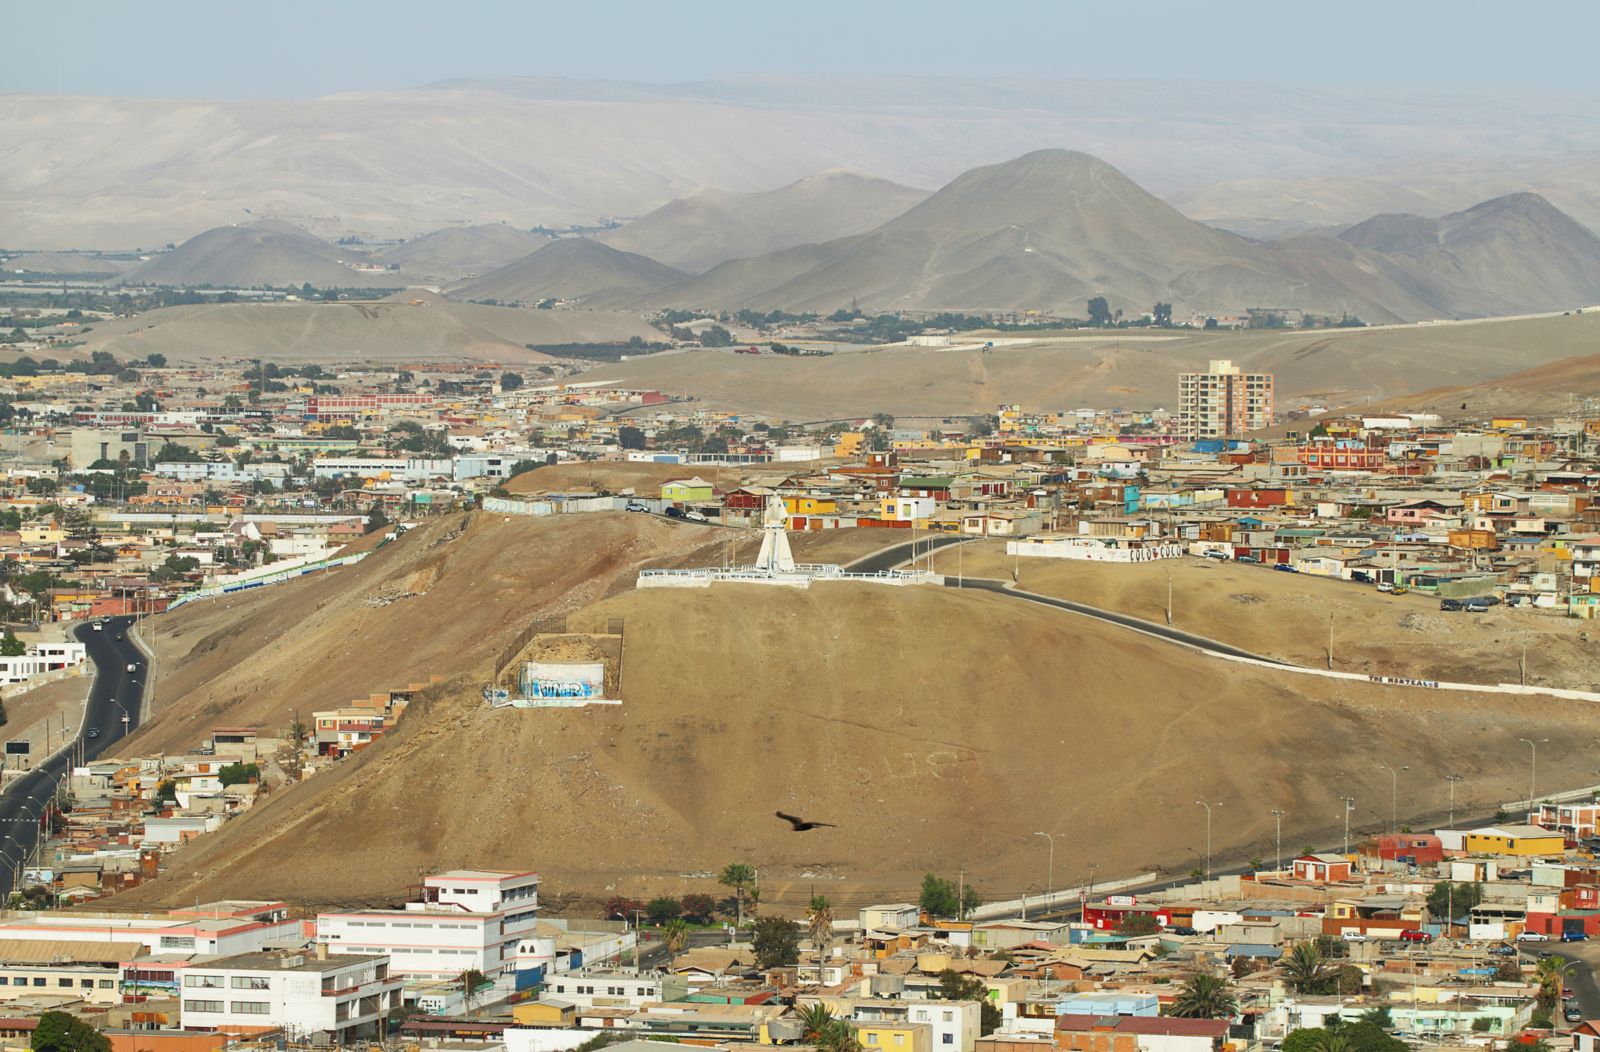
{"type": "Point", "coordinates": [336, 1000]}
{"type": "Point", "coordinates": [466, 920]}
{"type": "Point", "coordinates": [602, 987]}
{"type": "Point", "coordinates": [1223, 402]}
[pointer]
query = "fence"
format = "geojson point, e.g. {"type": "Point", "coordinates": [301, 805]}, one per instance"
{"type": "Point", "coordinates": [275, 577]}
{"type": "Point", "coordinates": [802, 576]}
{"type": "Point", "coordinates": [1092, 552]}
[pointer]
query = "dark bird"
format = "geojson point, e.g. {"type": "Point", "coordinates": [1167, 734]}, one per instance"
{"type": "Point", "coordinates": [1463, 405]}
{"type": "Point", "coordinates": [801, 825]}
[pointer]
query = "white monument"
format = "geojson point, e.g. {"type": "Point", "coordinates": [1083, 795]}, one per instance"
{"type": "Point", "coordinates": [775, 557]}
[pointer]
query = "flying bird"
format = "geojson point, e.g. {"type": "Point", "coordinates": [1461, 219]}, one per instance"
{"type": "Point", "coordinates": [801, 825]}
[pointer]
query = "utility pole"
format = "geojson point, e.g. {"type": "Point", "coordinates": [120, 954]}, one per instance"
{"type": "Point", "coordinates": [1330, 642]}
{"type": "Point", "coordinates": [1278, 815]}
{"type": "Point", "coordinates": [1394, 795]}
{"type": "Point", "coordinates": [1050, 874]}
{"type": "Point", "coordinates": [1452, 779]}
{"type": "Point", "coordinates": [961, 894]}
{"type": "Point", "coordinates": [1349, 805]}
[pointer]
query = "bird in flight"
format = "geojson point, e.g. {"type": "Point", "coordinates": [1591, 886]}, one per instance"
{"type": "Point", "coordinates": [801, 825]}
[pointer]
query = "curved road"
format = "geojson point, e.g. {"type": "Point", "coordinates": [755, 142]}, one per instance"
{"type": "Point", "coordinates": [892, 556]}
{"type": "Point", "coordinates": [115, 692]}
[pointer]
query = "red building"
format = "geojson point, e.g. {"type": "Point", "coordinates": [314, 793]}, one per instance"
{"type": "Point", "coordinates": [1418, 849]}
{"type": "Point", "coordinates": [1257, 498]}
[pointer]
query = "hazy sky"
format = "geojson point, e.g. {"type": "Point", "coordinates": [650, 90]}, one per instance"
{"type": "Point", "coordinates": [301, 48]}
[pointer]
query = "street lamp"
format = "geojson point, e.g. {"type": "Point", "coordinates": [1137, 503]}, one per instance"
{"type": "Point", "coordinates": [1050, 874]}
{"type": "Point", "coordinates": [1349, 805]}
{"type": "Point", "coordinates": [1394, 794]}
{"type": "Point", "coordinates": [1452, 779]}
{"type": "Point", "coordinates": [1533, 769]}
{"type": "Point", "coordinates": [1208, 808]}
{"type": "Point", "coordinates": [1278, 815]}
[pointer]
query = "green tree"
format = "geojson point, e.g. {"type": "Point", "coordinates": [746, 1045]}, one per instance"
{"type": "Point", "coordinates": [238, 774]}
{"type": "Point", "coordinates": [629, 437]}
{"type": "Point", "coordinates": [1306, 969]}
{"type": "Point", "coordinates": [776, 941]}
{"type": "Point", "coordinates": [716, 336]}
{"type": "Point", "coordinates": [939, 897]}
{"type": "Point", "coordinates": [1379, 1016]}
{"type": "Point", "coordinates": [697, 907]}
{"type": "Point", "coordinates": [741, 877]}
{"type": "Point", "coordinates": [1551, 975]}
{"type": "Point", "coordinates": [1460, 897]}
{"type": "Point", "coordinates": [172, 453]}
{"type": "Point", "coordinates": [510, 381]}
{"type": "Point", "coordinates": [1099, 311]}
{"type": "Point", "coordinates": [1162, 314]}
{"type": "Point", "coordinates": [663, 909]}
{"type": "Point", "coordinates": [1205, 996]}
{"type": "Point", "coordinates": [60, 1032]}
{"type": "Point", "coordinates": [471, 980]}
{"type": "Point", "coordinates": [11, 646]}
{"type": "Point", "coordinates": [953, 986]}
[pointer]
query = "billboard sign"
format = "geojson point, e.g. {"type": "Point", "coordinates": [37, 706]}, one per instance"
{"type": "Point", "coordinates": [18, 748]}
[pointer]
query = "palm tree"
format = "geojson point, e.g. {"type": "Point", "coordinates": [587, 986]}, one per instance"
{"type": "Point", "coordinates": [1331, 1042]}
{"type": "Point", "coordinates": [826, 1032]}
{"type": "Point", "coordinates": [1305, 969]}
{"type": "Point", "coordinates": [1551, 974]}
{"type": "Point", "coordinates": [819, 921]}
{"type": "Point", "coordinates": [1205, 996]}
{"type": "Point", "coordinates": [739, 876]}
{"type": "Point", "coordinates": [674, 937]}
{"type": "Point", "coordinates": [814, 1020]}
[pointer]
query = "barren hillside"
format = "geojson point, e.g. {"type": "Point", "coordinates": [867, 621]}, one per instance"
{"type": "Point", "coordinates": [939, 729]}
{"type": "Point", "coordinates": [392, 331]}
{"type": "Point", "coordinates": [578, 269]}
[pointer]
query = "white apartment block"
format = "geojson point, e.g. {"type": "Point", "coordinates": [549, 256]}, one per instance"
{"type": "Point", "coordinates": [335, 1000]}
{"type": "Point", "coordinates": [1223, 401]}
{"type": "Point", "coordinates": [465, 920]}
{"type": "Point", "coordinates": [224, 928]}
{"type": "Point", "coordinates": [606, 988]}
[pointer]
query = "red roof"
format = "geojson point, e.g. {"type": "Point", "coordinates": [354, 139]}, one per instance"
{"type": "Point", "coordinates": [1167, 1026]}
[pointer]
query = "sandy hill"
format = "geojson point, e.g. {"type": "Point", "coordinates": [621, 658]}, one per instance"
{"type": "Point", "coordinates": [456, 253]}
{"type": "Point", "coordinates": [73, 264]}
{"type": "Point", "coordinates": [910, 717]}
{"type": "Point", "coordinates": [1559, 388]}
{"type": "Point", "coordinates": [1055, 227]}
{"type": "Point", "coordinates": [262, 253]}
{"type": "Point", "coordinates": [1136, 370]}
{"type": "Point", "coordinates": [395, 331]}
{"type": "Point", "coordinates": [697, 232]}
{"type": "Point", "coordinates": [574, 269]}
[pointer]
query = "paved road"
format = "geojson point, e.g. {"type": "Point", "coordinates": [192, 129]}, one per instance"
{"type": "Point", "coordinates": [115, 691]}
{"type": "Point", "coordinates": [892, 556]}
{"type": "Point", "coordinates": [1175, 635]}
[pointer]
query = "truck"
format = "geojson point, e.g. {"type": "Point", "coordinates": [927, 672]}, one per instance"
{"type": "Point", "coordinates": [747, 350]}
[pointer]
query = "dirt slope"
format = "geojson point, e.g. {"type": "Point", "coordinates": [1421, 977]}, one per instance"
{"type": "Point", "coordinates": [938, 729]}
{"type": "Point", "coordinates": [263, 253]}
{"type": "Point", "coordinates": [455, 253]}
{"type": "Point", "coordinates": [394, 331]}
{"type": "Point", "coordinates": [578, 269]}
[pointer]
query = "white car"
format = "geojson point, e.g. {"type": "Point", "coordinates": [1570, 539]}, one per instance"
{"type": "Point", "coordinates": [1533, 936]}
{"type": "Point", "coordinates": [133, 668]}
{"type": "Point", "coordinates": [1354, 936]}
{"type": "Point", "coordinates": [98, 627]}
{"type": "Point", "coordinates": [695, 516]}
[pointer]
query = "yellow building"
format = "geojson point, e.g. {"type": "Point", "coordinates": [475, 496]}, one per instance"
{"type": "Point", "coordinates": [809, 505]}
{"type": "Point", "coordinates": [887, 1036]}
{"type": "Point", "coordinates": [1523, 841]}
{"type": "Point", "coordinates": [850, 444]}
{"type": "Point", "coordinates": [558, 1014]}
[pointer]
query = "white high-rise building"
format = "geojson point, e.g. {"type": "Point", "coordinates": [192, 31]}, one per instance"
{"type": "Point", "coordinates": [466, 920]}
{"type": "Point", "coordinates": [1223, 402]}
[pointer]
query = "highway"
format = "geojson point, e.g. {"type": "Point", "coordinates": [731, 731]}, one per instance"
{"type": "Point", "coordinates": [892, 556]}
{"type": "Point", "coordinates": [115, 692]}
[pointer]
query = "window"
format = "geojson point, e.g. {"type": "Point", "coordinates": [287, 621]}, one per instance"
{"type": "Point", "coordinates": [4, 981]}
{"type": "Point", "coordinates": [207, 982]}
{"type": "Point", "coordinates": [251, 982]}
{"type": "Point", "coordinates": [948, 1039]}
{"type": "Point", "coordinates": [899, 1039]}
{"type": "Point", "coordinates": [202, 1006]}
{"type": "Point", "coordinates": [949, 1016]}
{"type": "Point", "coordinates": [105, 984]}
{"type": "Point", "coordinates": [250, 1007]}
{"type": "Point", "coordinates": [63, 982]}
{"type": "Point", "coordinates": [38, 980]}
{"type": "Point", "coordinates": [87, 984]}
{"type": "Point", "coordinates": [177, 942]}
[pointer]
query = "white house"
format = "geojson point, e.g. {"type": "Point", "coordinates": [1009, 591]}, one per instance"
{"type": "Point", "coordinates": [336, 1000]}
{"type": "Point", "coordinates": [40, 657]}
{"type": "Point", "coordinates": [897, 916]}
{"type": "Point", "coordinates": [610, 988]}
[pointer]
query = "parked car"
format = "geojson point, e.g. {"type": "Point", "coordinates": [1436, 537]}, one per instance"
{"type": "Point", "coordinates": [1360, 577]}
{"type": "Point", "coordinates": [674, 513]}
{"type": "Point", "coordinates": [1574, 936]}
{"type": "Point", "coordinates": [1284, 568]}
{"type": "Point", "coordinates": [1571, 1014]}
{"type": "Point", "coordinates": [1533, 936]}
{"type": "Point", "coordinates": [634, 505]}
{"type": "Point", "coordinates": [1501, 949]}
{"type": "Point", "coordinates": [98, 627]}
{"type": "Point", "coordinates": [1354, 936]}
{"type": "Point", "coordinates": [1182, 929]}
{"type": "Point", "coordinates": [1215, 554]}
{"type": "Point", "coordinates": [1399, 589]}
{"type": "Point", "coordinates": [1385, 586]}
{"type": "Point", "coordinates": [1415, 935]}
{"type": "Point", "coordinates": [133, 668]}
{"type": "Point", "coordinates": [695, 516]}
{"type": "Point", "coordinates": [1247, 559]}
{"type": "Point", "coordinates": [92, 732]}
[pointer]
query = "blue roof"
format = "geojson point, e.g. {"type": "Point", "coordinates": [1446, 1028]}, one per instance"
{"type": "Point", "coordinates": [1254, 949]}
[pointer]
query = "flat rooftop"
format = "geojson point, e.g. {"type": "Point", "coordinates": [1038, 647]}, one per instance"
{"type": "Point", "coordinates": [292, 962]}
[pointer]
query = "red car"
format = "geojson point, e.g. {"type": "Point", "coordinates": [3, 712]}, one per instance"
{"type": "Point", "coordinates": [1415, 935]}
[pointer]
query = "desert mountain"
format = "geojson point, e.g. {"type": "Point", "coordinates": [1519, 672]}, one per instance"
{"type": "Point", "coordinates": [1516, 252]}
{"type": "Point", "coordinates": [457, 253]}
{"type": "Point", "coordinates": [574, 269]}
{"type": "Point", "coordinates": [65, 264]}
{"type": "Point", "coordinates": [1052, 228]}
{"type": "Point", "coordinates": [697, 232]}
{"type": "Point", "coordinates": [267, 252]}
